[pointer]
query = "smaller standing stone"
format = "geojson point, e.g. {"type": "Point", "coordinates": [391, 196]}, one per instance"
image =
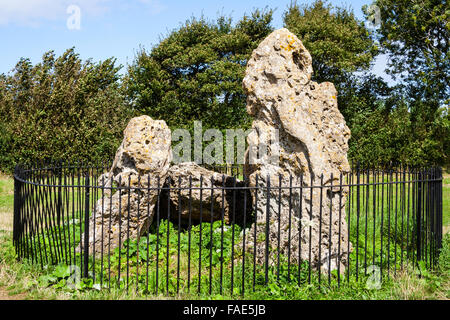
{"type": "Point", "coordinates": [143, 157]}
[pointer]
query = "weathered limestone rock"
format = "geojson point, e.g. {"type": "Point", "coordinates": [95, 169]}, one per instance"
{"type": "Point", "coordinates": [313, 140]}
{"type": "Point", "coordinates": [143, 157]}
{"type": "Point", "coordinates": [196, 191]}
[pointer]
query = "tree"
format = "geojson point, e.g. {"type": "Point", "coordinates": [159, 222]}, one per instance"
{"type": "Point", "coordinates": [342, 50]}
{"type": "Point", "coordinates": [415, 35]}
{"type": "Point", "coordinates": [339, 44]}
{"type": "Point", "coordinates": [61, 108]}
{"type": "Point", "coordinates": [196, 72]}
{"type": "Point", "coordinates": [383, 136]}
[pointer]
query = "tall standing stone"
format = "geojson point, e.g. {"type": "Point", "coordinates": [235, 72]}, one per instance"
{"type": "Point", "coordinates": [312, 140]}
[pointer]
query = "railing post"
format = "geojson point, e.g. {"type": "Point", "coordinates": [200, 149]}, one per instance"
{"type": "Point", "coordinates": [16, 221]}
{"type": "Point", "coordinates": [418, 214]}
{"type": "Point", "coordinates": [59, 201]}
{"type": "Point", "coordinates": [439, 210]}
{"type": "Point", "coordinates": [267, 232]}
{"type": "Point", "coordinates": [86, 226]}
{"type": "Point", "coordinates": [358, 203]}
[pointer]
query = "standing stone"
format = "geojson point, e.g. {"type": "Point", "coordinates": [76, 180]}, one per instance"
{"type": "Point", "coordinates": [141, 161]}
{"type": "Point", "coordinates": [312, 140]}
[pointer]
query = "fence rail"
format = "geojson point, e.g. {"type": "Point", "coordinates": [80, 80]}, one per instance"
{"type": "Point", "coordinates": [227, 236]}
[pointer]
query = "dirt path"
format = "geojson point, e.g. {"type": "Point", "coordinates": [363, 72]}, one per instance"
{"type": "Point", "coordinates": [5, 296]}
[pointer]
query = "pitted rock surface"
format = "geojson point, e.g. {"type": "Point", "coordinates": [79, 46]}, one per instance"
{"type": "Point", "coordinates": [312, 141]}
{"type": "Point", "coordinates": [141, 162]}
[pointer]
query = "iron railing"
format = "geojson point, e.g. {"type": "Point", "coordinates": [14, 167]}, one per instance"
{"type": "Point", "coordinates": [393, 220]}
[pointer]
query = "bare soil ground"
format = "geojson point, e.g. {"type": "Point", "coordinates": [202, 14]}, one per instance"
{"type": "Point", "coordinates": [4, 295]}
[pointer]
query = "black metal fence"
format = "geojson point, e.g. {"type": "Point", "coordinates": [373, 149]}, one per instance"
{"type": "Point", "coordinates": [221, 236]}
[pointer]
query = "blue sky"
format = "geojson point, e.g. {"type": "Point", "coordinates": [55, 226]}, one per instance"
{"type": "Point", "coordinates": [28, 28]}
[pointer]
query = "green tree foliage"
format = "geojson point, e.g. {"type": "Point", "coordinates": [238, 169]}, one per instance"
{"type": "Point", "coordinates": [363, 94]}
{"type": "Point", "coordinates": [343, 50]}
{"type": "Point", "coordinates": [196, 72]}
{"type": "Point", "coordinates": [339, 44]}
{"type": "Point", "coordinates": [389, 134]}
{"type": "Point", "coordinates": [61, 108]}
{"type": "Point", "coordinates": [408, 122]}
{"type": "Point", "coordinates": [415, 34]}
{"type": "Point", "coordinates": [378, 136]}
{"type": "Point", "coordinates": [64, 108]}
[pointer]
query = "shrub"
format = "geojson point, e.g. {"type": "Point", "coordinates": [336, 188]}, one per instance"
{"type": "Point", "coordinates": [61, 108]}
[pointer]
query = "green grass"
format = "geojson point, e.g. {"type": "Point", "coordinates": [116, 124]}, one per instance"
{"type": "Point", "coordinates": [6, 202]}
{"type": "Point", "coordinates": [51, 282]}
{"type": "Point", "coordinates": [446, 201]}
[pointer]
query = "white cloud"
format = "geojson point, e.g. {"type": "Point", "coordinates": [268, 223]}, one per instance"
{"type": "Point", "coordinates": [34, 12]}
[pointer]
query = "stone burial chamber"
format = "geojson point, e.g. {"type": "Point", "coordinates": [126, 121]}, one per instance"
{"type": "Point", "coordinates": [311, 150]}
{"type": "Point", "coordinates": [196, 192]}
{"type": "Point", "coordinates": [143, 163]}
